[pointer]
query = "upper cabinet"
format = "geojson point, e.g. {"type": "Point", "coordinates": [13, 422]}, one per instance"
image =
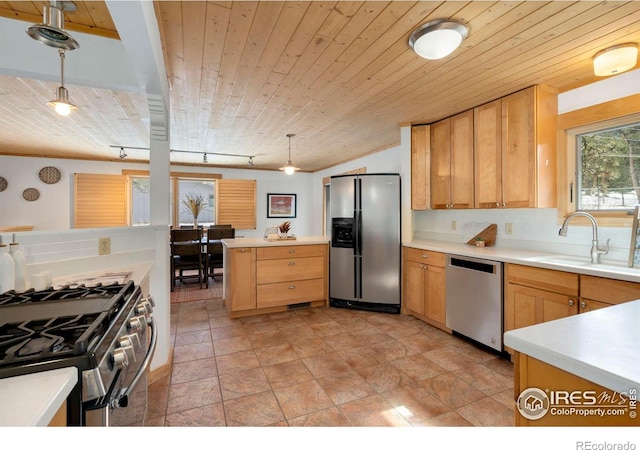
{"type": "Point", "coordinates": [452, 162]}
{"type": "Point", "coordinates": [498, 155]}
{"type": "Point", "coordinates": [515, 157]}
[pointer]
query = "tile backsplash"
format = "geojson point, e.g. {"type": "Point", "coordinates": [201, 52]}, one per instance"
{"type": "Point", "coordinates": [531, 229]}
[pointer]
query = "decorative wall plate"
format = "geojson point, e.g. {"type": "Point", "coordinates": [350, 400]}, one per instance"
{"type": "Point", "coordinates": [3, 184]}
{"type": "Point", "coordinates": [31, 194]}
{"type": "Point", "coordinates": [49, 175]}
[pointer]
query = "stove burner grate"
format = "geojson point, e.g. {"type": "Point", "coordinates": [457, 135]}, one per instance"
{"type": "Point", "coordinates": [11, 298]}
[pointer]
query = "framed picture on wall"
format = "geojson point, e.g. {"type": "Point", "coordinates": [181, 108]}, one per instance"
{"type": "Point", "coordinates": [281, 205]}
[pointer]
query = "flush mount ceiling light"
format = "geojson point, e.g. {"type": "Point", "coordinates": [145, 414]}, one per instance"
{"type": "Point", "coordinates": [438, 38]}
{"type": "Point", "coordinates": [289, 168]}
{"type": "Point", "coordinates": [616, 59]}
{"type": "Point", "coordinates": [51, 32]}
{"type": "Point", "coordinates": [61, 104]}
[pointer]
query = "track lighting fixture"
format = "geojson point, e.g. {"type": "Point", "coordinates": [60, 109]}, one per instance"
{"type": "Point", "coordinates": [289, 168]}
{"type": "Point", "coordinates": [250, 162]}
{"type": "Point", "coordinates": [205, 155]}
{"type": "Point", "coordinates": [123, 155]}
{"type": "Point", "coordinates": [204, 158]}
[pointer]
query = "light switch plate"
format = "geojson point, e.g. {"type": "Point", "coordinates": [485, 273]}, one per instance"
{"type": "Point", "coordinates": [508, 228]}
{"type": "Point", "coordinates": [104, 246]}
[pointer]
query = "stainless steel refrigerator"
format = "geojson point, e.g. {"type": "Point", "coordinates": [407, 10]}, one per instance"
{"type": "Point", "coordinates": [365, 242]}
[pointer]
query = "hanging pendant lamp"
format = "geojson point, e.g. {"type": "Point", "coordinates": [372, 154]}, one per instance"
{"type": "Point", "coordinates": [61, 104]}
{"type": "Point", "coordinates": [289, 168]}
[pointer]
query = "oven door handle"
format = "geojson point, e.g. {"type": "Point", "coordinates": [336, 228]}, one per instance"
{"type": "Point", "coordinates": [122, 399]}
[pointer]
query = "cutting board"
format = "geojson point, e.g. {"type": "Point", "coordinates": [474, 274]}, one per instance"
{"type": "Point", "coordinates": [488, 235]}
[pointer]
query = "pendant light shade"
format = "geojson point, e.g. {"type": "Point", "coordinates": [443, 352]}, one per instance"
{"type": "Point", "coordinates": [289, 168]}
{"type": "Point", "coordinates": [61, 104]}
{"type": "Point", "coordinates": [438, 38]}
{"type": "Point", "coordinates": [616, 59]}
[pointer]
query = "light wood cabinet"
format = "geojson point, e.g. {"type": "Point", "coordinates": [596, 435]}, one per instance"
{"type": "Point", "coordinates": [240, 279]}
{"type": "Point", "coordinates": [514, 155]}
{"type": "Point", "coordinates": [424, 285]}
{"type": "Point", "coordinates": [452, 162]}
{"type": "Point", "coordinates": [534, 295]}
{"type": "Point", "coordinates": [260, 280]}
{"type": "Point", "coordinates": [533, 373]}
{"type": "Point", "coordinates": [420, 167]}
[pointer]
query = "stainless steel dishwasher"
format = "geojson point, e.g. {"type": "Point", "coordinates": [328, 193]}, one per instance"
{"type": "Point", "coordinates": [474, 299]}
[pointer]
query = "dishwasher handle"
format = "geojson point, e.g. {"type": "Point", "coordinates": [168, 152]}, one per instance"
{"type": "Point", "coordinates": [473, 265]}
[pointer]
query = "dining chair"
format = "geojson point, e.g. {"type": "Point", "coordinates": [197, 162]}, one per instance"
{"type": "Point", "coordinates": [186, 255]}
{"type": "Point", "coordinates": [213, 255]}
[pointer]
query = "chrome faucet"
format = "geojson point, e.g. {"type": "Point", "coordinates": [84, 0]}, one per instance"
{"type": "Point", "coordinates": [596, 250]}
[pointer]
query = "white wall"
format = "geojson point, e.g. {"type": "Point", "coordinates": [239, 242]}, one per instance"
{"type": "Point", "coordinates": [54, 209]}
{"type": "Point", "coordinates": [538, 228]}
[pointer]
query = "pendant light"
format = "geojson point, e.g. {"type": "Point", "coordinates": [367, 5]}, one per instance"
{"type": "Point", "coordinates": [438, 38]}
{"type": "Point", "coordinates": [289, 168]}
{"type": "Point", "coordinates": [61, 104]}
{"type": "Point", "coordinates": [51, 32]}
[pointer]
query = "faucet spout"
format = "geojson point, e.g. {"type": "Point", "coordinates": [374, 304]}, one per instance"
{"type": "Point", "coordinates": [596, 249]}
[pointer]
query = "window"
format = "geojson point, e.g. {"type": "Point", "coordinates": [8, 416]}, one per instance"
{"type": "Point", "coordinates": [140, 201]}
{"type": "Point", "coordinates": [608, 163]}
{"type": "Point", "coordinates": [200, 188]}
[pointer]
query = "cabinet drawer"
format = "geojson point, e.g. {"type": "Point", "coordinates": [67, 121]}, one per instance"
{"type": "Point", "coordinates": [276, 270]}
{"type": "Point", "coordinates": [425, 256]}
{"type": "Point", "coordinates": [288, 293]}
{"type": "Point", "coordinates": [550, 280]}
{"type": "Point", "coordinates": [290, 251]}
{"type": "Point", "coordinates": [607, 290]}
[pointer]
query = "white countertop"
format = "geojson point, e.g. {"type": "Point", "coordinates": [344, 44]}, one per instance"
{"type": "Point", "coordinates": [602, 346]}
{"type": "Point", "coordinates": [609, 269]}
{"type": "Point", "coordinates": [261, 242]}
{"type": "Point", "coordinates": [33, 400]}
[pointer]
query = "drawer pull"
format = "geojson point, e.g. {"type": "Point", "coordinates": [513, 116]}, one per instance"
{"type": "Point", "coordinates": [424, 255]}
{"type": "Point", "coordinates": [291, 263]}
{"type": "Point", "coordinates": [292, 286]}
{"type": "Point", "coordinates": [291, 250]}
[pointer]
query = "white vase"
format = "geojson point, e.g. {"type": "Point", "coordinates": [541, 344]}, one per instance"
{"type": "Point", "coordinates": [20, 264]}
{"type": "Point", "coordinates": [7, 270]}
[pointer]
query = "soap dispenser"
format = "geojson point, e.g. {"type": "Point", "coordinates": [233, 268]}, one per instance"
{"type": "Point", "coordinates": [20, 266]}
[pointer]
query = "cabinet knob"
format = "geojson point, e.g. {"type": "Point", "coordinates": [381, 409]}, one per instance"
{"type": "Point", "coordinates": [497, 205]}
{"type": "Point", "coordinates": [583, 304]}
{"type": "Point", "coordinates": [504, 204]}
{"type": "Point", "coordinates": [571, 302]}
{"type": "Point", "coordinates": [292, 286]}
{"type": "Point", "coordinates": [242, 250]}
{"type": "Point", "coordinates": [424, 255]}
{"type": "Point", "coordinates": [291, 263]}
{"type": "Point", "coordinates": [291, 250]}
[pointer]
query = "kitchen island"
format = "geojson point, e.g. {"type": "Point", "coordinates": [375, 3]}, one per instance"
{"type": "Point", "coordinates": [582, 370]}
{"type": "Point", "coordinates": [262, 277]}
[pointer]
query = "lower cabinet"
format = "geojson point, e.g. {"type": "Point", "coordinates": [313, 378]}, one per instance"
{"type": "Point", "coordinates": [272, 278]}
{"type": "Point", "coordinates": [424, 285]}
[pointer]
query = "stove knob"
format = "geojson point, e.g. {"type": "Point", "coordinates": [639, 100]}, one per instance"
{"type": "Point", "coordinates": [138, 324]}
{"type": "Point", "coordinates": [144, 308]}
{"type": "Point", "coordinates": [151, 300]}
{"type": "Point", "coordinates": [120, 359]}
{"type": "Point", "coordinates": [130, 340]}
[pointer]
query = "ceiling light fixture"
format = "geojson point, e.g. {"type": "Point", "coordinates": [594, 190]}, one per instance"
{"type": "Point", "coordinates": [289, 168]}
{"type": "Point", "coordinates": [250, 162]}
{"type": "Point", "coordinates": [123, 155]}
{"type": "Point", "coordinates": [204, 158]}
{"type": "Point", "coordinates": [61, 104]}
{"type": "Point", "coordinates": [438, 38]}
{"type": "Point", "coordinates": [51, 32]}
{"type": "Point", "coordinates": [616, 59]}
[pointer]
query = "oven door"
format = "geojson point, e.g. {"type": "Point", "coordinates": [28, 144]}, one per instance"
{"type": "Point", "coordinates": [126, 401]}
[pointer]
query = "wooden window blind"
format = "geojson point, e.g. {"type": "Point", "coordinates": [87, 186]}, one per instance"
{"type": "Point", "coordinates": [236, 203]}
{"type": "Point", "coordinates": [100, 200]}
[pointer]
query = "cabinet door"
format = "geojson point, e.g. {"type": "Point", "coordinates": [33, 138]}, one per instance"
{"type": "Point", "coordinates": [420, 167]}
{"type": "Point", "coordinates": [435, 300]}
{"type": "Point", "coordinates": [462, 160]}
{"type": "Point", "coordinates": [488, 155]}
{"type": "Point", "coordinates": [527, 306]}
{"type": "Point", "coordinates": [519, 149]}
{"type": "Point", "coordinates": [556, 306]}
{"type": "Point", "coordinates": [414, 284]}
{"type": "Point", "coordinates": [591, 305]}
{"type": "Point", "coordinates": [242, 277]}
{"type": "Point", "coordinates": [441, 164]}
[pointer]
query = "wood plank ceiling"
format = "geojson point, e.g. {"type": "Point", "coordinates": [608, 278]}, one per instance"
{"type": "Point", "coordinates": [339, 75]}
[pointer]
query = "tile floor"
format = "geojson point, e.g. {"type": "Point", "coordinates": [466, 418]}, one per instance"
{"type": "Point", "coordinates": [322, 367]}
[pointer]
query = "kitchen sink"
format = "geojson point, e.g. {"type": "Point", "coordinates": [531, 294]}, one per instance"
{"type": "Point", "coordinates": [574, 261]}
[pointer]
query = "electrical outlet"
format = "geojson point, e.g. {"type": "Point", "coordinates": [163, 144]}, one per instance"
{"type": "Point", "coordinates": [104, 246]}
{"type": "Point", "coordinates": [453, 225]}
{"type": "Point", "coordinates": [508, 228]}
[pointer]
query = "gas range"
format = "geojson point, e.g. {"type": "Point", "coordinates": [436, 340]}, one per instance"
{"type": "Point", "coordinates": [102, 330]}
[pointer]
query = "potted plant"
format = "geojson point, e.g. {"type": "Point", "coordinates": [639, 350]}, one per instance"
{"type": "Point", "coordinates": [194, 203]}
